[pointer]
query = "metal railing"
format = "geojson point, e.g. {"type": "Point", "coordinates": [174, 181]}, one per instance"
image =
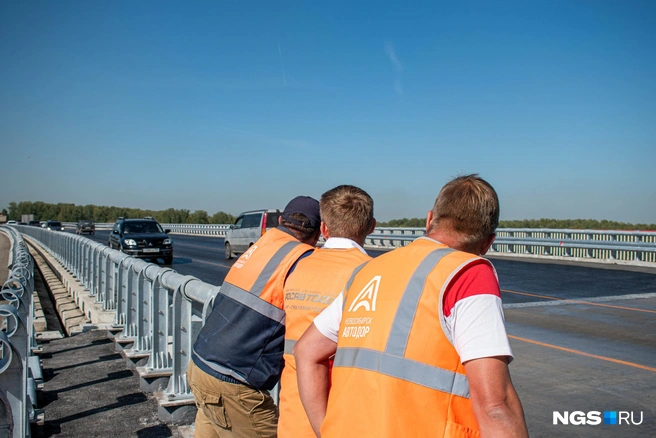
{"type": "Point", "coordinates": [626, 246]}
{"type": "Point", "coordinates": [157, 311]}
{"type": "Point", "coordinates": [609, 246]}
{"type": "Point", "coordinates": [20, 370]}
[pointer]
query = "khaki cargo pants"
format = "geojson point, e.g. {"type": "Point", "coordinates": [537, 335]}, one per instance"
{"type": "Point", "coordinates": [230, 410]}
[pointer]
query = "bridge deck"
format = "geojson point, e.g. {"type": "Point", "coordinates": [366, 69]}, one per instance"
{"type": "Point", "coordinates": [579, 343]}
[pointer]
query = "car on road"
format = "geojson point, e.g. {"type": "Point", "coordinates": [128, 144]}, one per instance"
{"type": "Point", "coordinates": [54, 226]}
{"type": "Point", "coordinates": [143, 238]}
{"type": "Point", "coordinates": [34, 223]}
{"type": "Point", "coordinates": [12, 222]}
{"type": "Point", "coordinates": [249, 226]}
{"type": "Point", "coordinates": [85, 226]}
{"type": "Point", "coordinates": [44, 224]}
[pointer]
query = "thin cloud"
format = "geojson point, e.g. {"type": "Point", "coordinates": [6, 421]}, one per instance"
{"type": "Point", "coordinates": [398, 68]}
{"type": "Point", "coordinates": [391, 53]}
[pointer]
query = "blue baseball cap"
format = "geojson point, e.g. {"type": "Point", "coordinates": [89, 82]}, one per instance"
{"type": "Point", "coordinates": [307, 206]}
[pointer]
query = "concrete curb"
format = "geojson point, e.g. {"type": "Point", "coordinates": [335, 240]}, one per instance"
{"type": "Point", "coordinates": [75, 306]}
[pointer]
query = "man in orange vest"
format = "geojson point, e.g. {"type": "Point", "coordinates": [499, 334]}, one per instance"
{"type": "Point", "coordinates": [418, 336]}
{"type": "Point", "coordinates": [238, 355]}
{"type": "Point", "coordinates": [347, 218]}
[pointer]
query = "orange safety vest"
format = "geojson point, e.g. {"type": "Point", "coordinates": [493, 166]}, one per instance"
{"type": "Point", "coordinates": [314, 284]}
{"type": "Point", "coordinates": [262, 269]}
{"type": "Point", "coordinates": [243, 337]}
{"type": "Point", "coordinates": [396, 373]}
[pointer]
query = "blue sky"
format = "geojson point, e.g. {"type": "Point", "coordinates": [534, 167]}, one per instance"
{"type": "Point", "coordinates": [240, 105]}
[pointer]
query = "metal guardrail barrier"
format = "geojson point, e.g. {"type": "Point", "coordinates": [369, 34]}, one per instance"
{"type": "Point", "coordinates": [20, 371]}
{"type": "Point", "coordinates": [613, 246]}
{"type": "Point", "coordinates": [209, 229]}
{"type": "Point", "coordinates": [626, 246]}
{"type": "Point", "coordinates": [154, 307]}
{"type": "Point", "coordinates": [196, 229]}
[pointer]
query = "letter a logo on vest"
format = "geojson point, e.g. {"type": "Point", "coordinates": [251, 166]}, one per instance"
{"type": "Point", "coordinates": [367, 296]}
{"type": "Point", "coordinates": [247, 255]}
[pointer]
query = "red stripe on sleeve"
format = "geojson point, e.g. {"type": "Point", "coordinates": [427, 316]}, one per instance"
{"type": "Point", "coordinates": [476, 279]}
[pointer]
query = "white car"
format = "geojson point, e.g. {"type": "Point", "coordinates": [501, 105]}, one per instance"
{"type": "Point", "coordinates": [249, 226]}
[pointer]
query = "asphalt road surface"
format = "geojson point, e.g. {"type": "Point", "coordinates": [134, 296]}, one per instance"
{"type": "Point", "coordinates": [521, 281]}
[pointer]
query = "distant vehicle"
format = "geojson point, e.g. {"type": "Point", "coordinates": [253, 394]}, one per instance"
{"type": "Point", "coordinates": [44, 224]}
{"type": "Point", "coordinates": [12, 223]}
{"type": "Point", "coordinates": [142, 238]}
{"type": "Point", "coordinates": [34, 223]}
{"type": "Point", "coordinates": [21, 223]}
{"type": "Point", "coordinates": [85, 226]}
{"type": "Point", "coordinates": [249, 226]}
{"type": "Point", "coordinates": [54, 226]}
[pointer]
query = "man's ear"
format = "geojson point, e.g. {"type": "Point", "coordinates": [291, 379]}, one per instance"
{"type": "Point", "coordinates": [315, 238]}
{"type": "Point", "coordinates": [325, 232]}
{"type": "Point", "coordinates": [280, 220]}
{"type": "Point", "coordinates": [488, 243]}
{"type": "Point", "coordinates": [373, 226]}
{"type": "Point", "coordinates": [429, 219]}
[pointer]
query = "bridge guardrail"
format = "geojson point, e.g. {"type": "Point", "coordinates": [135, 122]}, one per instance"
{"type": "Point", "coordinates": [153, 307]}
{"type": "Point", "coordinates": [20, 370]}
{"type": "Point", "coordinates": [631, 247]}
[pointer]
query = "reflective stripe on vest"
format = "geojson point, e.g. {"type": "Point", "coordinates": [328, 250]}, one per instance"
{"type": "Point", "coordinates": [252, 302]}
{"type": "Point", "coordinates": [221, 369]}
{"type": "Point", "coordinates": [271, 267]}
{"type": "Point", "coordinates": [404, 369]}
{"type": "Point", "coordinates": [251, 299]}
{"type": "Point", "coordinates": [391, 362]}
{"type": "Point", "coordinates": [405, 313]}
{"type": "Point", "coordinates": [349, 283]}
{"type": "Point", "coordinates": [289, 346]}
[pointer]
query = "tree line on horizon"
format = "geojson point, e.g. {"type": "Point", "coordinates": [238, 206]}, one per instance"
{"type": "Point", "coordinates": [102, 214]}
{"type": "Point", "coordinates": [43, 211]}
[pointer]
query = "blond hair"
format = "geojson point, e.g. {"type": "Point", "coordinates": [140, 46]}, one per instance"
{"type": "Point", "coordinates": [347, 211]}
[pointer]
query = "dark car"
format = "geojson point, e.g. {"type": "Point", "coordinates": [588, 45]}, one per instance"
{"type": "Point", "coordinates": [34, 223]}
{"type": "Point", "coordinates": [85, 226]}
{"type": "Point", "coordinates": [142, 238]}
{"type": "Point", "coordinates": [54, 226]}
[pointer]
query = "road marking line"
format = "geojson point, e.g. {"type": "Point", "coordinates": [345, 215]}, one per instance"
{"type": "Point", "coordinates": [211, 263]}
{"type": "Point", "coordinates": [580, 302]}
{"type": "Point", "coordinates": [594, 356]}
{"type": "Point", "coordinates": [199, 247]}
{"type": "Point", "coordinates": [530, 295]}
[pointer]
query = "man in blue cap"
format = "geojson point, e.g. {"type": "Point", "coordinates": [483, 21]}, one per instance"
{"type": "Point", "coordinates": [238, 356]}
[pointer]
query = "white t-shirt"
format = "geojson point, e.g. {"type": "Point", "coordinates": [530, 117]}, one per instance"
{"type": "Point", "coordinates": [342, 243]}
{"type": "Point", "coordinates": [472, 313]}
